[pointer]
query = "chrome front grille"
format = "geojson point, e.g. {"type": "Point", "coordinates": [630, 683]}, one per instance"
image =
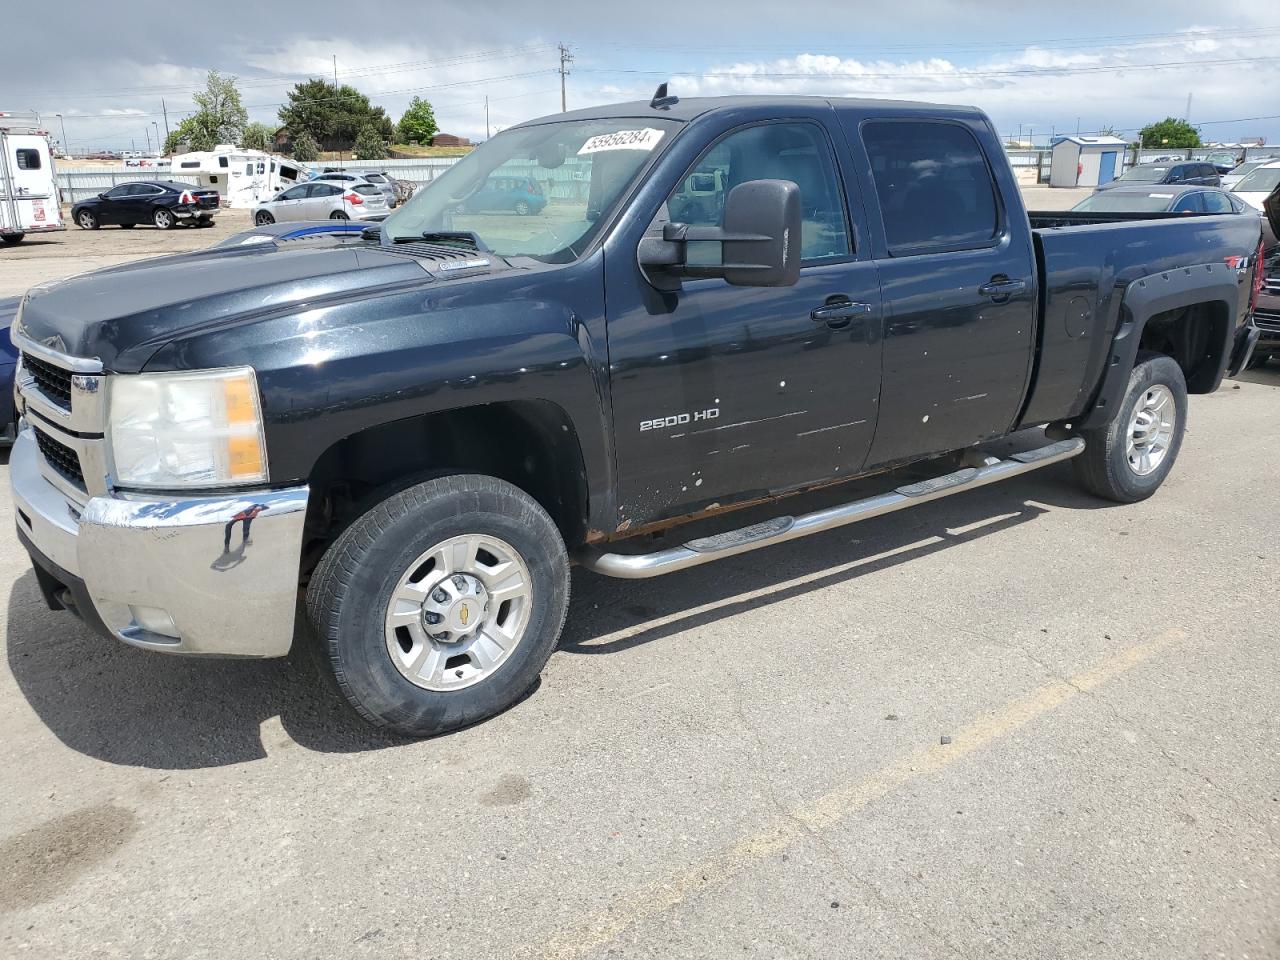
{"type": "Point", "coordinates": [64, 401]}
{"type": "Point", "coordinates": [64, 460]}
{"type": "Point", "coordinates": [53, 381]}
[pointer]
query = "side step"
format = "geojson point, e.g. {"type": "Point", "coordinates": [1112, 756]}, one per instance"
{"type": "Point", "coordinates": [781, 529]}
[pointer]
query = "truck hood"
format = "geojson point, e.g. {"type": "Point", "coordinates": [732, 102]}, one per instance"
{"type": "Point", "coordinates": [122, 315]}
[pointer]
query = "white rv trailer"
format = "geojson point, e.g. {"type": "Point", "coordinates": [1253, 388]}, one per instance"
{"type": "Point", "coordinates": [243, 177]}
{"type": "Point", "coordinates": [28, 181]}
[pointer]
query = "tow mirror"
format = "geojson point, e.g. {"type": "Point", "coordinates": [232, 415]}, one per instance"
{"type": "Point", "coordinates": [759, 241]}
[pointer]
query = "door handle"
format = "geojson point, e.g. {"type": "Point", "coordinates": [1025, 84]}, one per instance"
{"type": "Point", "coordinates": [839, 313]}
{"type": "Point", "coordinates": [1002, 287]}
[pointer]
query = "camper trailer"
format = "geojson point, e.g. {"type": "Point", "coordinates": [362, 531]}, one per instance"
{"type": "Point", "coordinates": [28, 181]}
{"type": "Point", "coordinates": [243, 177]}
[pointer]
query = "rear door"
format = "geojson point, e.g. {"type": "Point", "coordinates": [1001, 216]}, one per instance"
{"type": "Point", "coordinates": [30, 189]}
{"type": "Point", "coordinates": [958, 275]}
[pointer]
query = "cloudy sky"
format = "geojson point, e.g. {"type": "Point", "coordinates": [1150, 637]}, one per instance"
{"type": "Point", "coordinates": [106, 67]}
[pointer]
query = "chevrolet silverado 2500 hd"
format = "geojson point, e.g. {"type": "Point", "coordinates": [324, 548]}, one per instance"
{"type": "Point", "coordinates": [423, 426]}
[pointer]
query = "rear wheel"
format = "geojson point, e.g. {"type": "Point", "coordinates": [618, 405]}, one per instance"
{"type": "Point", "coordinates": [439, 607]}
{"type": "Point", "coordinates": [522, 208]}
{"type": "Point", "coordinates": [1128, 458]}
{"type": "Point", "coordinates": [262, 218]}
{"type": "Point", "coordinates": [13, 239]}
{"type": "Point", "coordinates": [338, 215]}
{"type": "Point", "coordinates": [163, 219]}
{"type": "Point", "coordinates": [87, 220]}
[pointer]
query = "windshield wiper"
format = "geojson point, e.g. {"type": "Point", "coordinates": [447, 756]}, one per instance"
{"type": "Point", "coordinates": [464, 239]}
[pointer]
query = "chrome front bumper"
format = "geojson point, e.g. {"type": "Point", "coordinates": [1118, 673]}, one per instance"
{"type": "Point", "coordinates": [179, 576]}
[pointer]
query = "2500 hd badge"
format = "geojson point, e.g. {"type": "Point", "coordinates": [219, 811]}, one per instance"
{"type": "Point", "coordinates": [679, 419]}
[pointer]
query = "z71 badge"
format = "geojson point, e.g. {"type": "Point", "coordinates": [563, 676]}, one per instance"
{"type": "Point", "coordinates": [679, 419]}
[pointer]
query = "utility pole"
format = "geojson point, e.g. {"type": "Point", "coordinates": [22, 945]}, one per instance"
{"type": "Point", "coordinates": [566, 58]}
{"type": "Point", "coordinates": [165, 111]}
{"type": "Point", "coordinates": [159, 145]}
{"type": "Point", "coordinates": [335, 88]}
{"type": "Point", "coordinates": [486, 116]}
{"type": "Point", "coordinates": [66, 147]}
{"type": "Point", "coordinates": [1077, 126]}
{"type": "Point", "coordinates": [1186, 117]}
{"type": "Point", "coordinates": [147, 131]}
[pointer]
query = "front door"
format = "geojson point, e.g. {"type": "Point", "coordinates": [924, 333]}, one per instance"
{"type": "Point", "coordinates": [1107, 167]}
{"type": "Point", "coordinates": [724, 393]}
{"type": "Point", "coordinates": [958, 276]}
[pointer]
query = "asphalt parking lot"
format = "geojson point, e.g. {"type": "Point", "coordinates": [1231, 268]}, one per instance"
{"type": "Point", "coordinates": [1019, 722]}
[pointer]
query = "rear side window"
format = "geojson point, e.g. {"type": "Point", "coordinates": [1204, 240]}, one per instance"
{"type": "Point", "coordinates": [367, 190]}
{"type": "Point", "coordinates": [28, 159]}
{"type": "Point", "coordinates": [934, 185]}
{"type": "Point", "coordinates": [1216, 202]}
{"type": "Point", "coordinates": [1188, 203]}
{"type": "Point", "coordinates": [324, 190]}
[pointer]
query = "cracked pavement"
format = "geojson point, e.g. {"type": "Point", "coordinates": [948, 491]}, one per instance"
{"type": "Point", "coordinates": [743, 760]}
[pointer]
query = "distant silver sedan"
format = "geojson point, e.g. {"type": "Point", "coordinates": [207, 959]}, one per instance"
{"type": "Point", "coordinates": [323, 200]}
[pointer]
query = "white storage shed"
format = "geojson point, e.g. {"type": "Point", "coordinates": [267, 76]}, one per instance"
{"type": "Point", "coordinates": [1080, 161]}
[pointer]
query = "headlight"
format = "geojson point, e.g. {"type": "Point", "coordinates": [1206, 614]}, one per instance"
{"type": "Point", "coordinates": [201, 429]}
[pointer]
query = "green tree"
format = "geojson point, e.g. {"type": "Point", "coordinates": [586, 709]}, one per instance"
{"type": "Point", "coordinates": [305, 148]}
{"type": "Point", "coordinates": [258, 136]}
{"type": "Point", "coordinates": [370, 146]}
{"type": "Point", "coordinates": [418, 123]}
{"type": "Point", "coordinates": [220, 117]}
{"type": "Point", "coordinates": [332, 115]}
{"type": "Point", "coordinates": [1170, 132]}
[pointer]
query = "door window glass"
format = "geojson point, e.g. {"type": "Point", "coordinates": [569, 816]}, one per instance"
{"type": "Point", "coordinates": [934, 185]}
{"type": "Point", "coordinates": [295, 193]}
{"type": "Point", "coordinates": [1188, 203]}
{"type": "Point", "coordinates": [28, 159]}
{"type": "Point", "coordinates": [773, 151]}
{"type": "Point", "coordinates": [1216, 202]}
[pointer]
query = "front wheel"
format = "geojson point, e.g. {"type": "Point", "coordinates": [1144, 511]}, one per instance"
{"type": "Point", "coordinates": [439, 607]}
{"type": "Point", "coordinates": [262, 218]}
{"type": "Point", "coordinates": [87, 220]}
{"type": "Point", "coordinates": [13, 239]}
{"type": "Point", "coordinates": [163, 219]}
{"type": "Point", "coordinates": [1128, 458]}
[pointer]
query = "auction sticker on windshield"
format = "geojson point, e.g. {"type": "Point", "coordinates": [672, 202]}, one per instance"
{"type": "Point", "coordinates": [645, 139]}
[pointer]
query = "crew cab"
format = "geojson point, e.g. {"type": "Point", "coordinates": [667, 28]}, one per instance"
{"type": "Point", "coordinates": [422, 427]}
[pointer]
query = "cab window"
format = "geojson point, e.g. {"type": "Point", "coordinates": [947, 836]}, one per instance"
{"type": "Point", "coordinates": [798, 152]}
{"type": "Point", "coordinates": [934, 185]}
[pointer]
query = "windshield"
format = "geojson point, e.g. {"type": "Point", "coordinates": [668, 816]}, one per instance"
{"type": "Point", "coordinates": [1113, 202]}
{"type": "Point", "coordinates": [1144, 174]}
{"type": "Point", "coordinates": [1262, 180]}
{"type": "Point", "coordinates": [536, 191]}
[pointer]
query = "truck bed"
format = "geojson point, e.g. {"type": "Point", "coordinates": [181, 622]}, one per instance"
{"type": "Point", "coordinates": [1086, 262]}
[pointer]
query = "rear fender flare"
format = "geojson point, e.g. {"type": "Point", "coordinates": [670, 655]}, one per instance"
{"type": "Point", "coordinates": [1145, 298]}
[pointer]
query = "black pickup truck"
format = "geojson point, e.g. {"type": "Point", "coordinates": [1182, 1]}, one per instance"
{"type": "Point", "coordinates": [421, 428]}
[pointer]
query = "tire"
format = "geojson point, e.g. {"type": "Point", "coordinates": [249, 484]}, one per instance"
{"type": "Point", "coordinates": [127, 226]}
{"type": "Point", "coordinates": [87, 220]}
{"type": "Point", "coordinates": [163, 219]}
{"type": "Point", "coordinates": [349, 603]}
{"type": "Point", "coordinates": [13, 239]}
{"type": "Point", "coordinates": [522, 208]}
{"type": "Point", "coordinates": [338, 215]}
{"type": "Point", "coordinates": [262, 218]}
{"type": "Point", "coordinates": [1111, 466]}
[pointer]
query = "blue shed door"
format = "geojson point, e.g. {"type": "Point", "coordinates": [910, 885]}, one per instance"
{"type": "Point", "coordinates": [1107, 168]}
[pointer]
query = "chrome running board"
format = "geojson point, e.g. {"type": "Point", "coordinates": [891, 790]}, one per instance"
{"type": "Point", "coordinates": [781, 529]}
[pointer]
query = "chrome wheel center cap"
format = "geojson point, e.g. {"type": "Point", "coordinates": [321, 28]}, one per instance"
{"type": "Point", "coordinates": [455, 608]}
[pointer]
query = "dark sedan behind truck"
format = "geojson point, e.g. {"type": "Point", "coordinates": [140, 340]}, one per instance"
{"type": "Point", "coordinates": [164, 203]}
